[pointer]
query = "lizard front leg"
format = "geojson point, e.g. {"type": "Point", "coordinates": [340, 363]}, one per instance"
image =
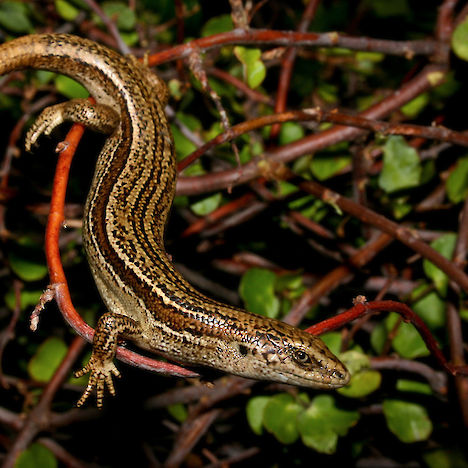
{"type": "Point", "coordinates": [98, 117]}
{"type": "Point", "coordinates": [101, 365]}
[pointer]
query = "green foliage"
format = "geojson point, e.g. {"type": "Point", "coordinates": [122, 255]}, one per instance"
{"type": "Point", "coordinates": [416, 105]}
{"type": "Point", "coordinates": [430, 307]}
{"type": "Point", "coordinates": [408, 421]}
{"type": "Point", "coordinates": [27, 299]}
{"type": "Point", "coordinates": [404, 385]}
{"type": "Point", "coordinates": [255, 409]}
{"type": "Point", "coordinates": [445, 245]}
{"type": "Point", "coordinates": [280, 417]}
{"type": "Point", "coordinates": [178, 411]}
{"type": "Point", "coordinates": [216, 25]}
{"type": "Point", "coordinates": [407, 341]}
{"type": "Point", "coordinates": [36, 456]}
{"type": "Point", "coordinates": [460, 40]}
{"type": "Point", "coordinates": [70, 88]}
{"type": "Point", "coordinates": [396, 187]}
{"type": "Point", "coordinates": [319, 423]}
{"type": "Point", "coordinates": [323, 423]}
{"type": "Point", "coordinates": [66, 10]}
{"type": "Point", "coordinates": [290, 131]}
{"type": "Point", "coordinates": [207, 205]}
{"type": "Point", "coordinates": [48, 357]}
{"type": "Point", "coordinates": [182, 144]}
{"type": "Point", "coordinates": [401, 166]}
{"type": "Point", "coordinates": [445, 458]}
{"type": "Point", "coordinates": [325, 166]}
{"type": "Point", "coordinates": [364, 380]}
{"type": "Point", "coordinates": [253, 67]}
{"type": "Point", "coordinates": [14, 16]}
{"type": "Point", "coordinates": [26, 263]}
{"type": "Point", "coordinates": [457, 182]}
{"type": "Point", "coordinates": [257, 289]}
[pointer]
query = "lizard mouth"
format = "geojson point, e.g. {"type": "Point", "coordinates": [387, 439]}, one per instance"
{"type": "Point", "coordinates": [332, 379]}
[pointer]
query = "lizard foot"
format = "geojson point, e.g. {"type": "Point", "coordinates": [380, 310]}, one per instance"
{"type": "Point", "coordinates": [101, 375]}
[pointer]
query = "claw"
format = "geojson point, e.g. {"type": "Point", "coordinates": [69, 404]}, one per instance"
{"type": "Point", "coordinates": [101, 375]}
{"type": "Point", "coordinates": [49, 118]}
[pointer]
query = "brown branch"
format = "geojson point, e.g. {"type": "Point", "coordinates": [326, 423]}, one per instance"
{"type": "Point", "coordinates": [318, 115]}
{"type": "Point", "coordinates": [310, 144]}
{"type": "Point", "coordinates": [397, 231]}
{"type": "Point", "coordinates": [336, 277]}
{"type": "Point", "coordinates": [407, 49]}
{"type": "Point", "coordinates": [287, 65]}
{"type": "Point", "coordinates": [38, 418]}
{"type": "Point", "coordinates": [252, 94]}
{"type": "Point", "coordinates": [189, 434]}
{"type": "Point", "coordinates": [457, 354]}
{"type": "Point", "coordinates": [436, 379]}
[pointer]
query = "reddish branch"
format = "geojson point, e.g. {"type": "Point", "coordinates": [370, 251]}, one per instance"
{"type": "Point", "coordinates": [57, 275]}
{"type": "Point", "coordinates": [362, 307]}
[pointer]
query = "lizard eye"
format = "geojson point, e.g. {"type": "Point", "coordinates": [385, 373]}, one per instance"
{"type": "Point", "coordinates": [301, 357]}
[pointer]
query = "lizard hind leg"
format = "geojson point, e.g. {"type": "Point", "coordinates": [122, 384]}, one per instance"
{"type": "Point", "coordinates": [101, 367]}
{"type": "Point", "coordinates": [98, 117]}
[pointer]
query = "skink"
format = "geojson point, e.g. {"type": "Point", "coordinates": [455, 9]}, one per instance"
{"type": "Point", "coordinates": [148, 301]}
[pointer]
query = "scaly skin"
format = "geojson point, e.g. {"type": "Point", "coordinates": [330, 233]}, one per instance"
{"type": "Point", "coordinates": [148, 301]}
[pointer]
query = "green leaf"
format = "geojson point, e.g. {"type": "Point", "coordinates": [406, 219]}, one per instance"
{"type": "Point", "coordinates": [257, 289]}
{"type": "Point", "coordinates": [361, 384]}
{"type": "Point", "coordinates": [413, 386]}
{"type": "Point", "coordinates": [445, 245]}
{"type": "Point", "coordinates": [408, 421]}
{"type": "Point", "coordinates": [385, 9]}
{"type": "Point", "coordinates": [407, 342]}
{"type": "Point", "coordinates": [216, 25]}
{"type": "Point", "coordinates": [401, 166]}
{"type": "Point", "coordinates": [457, 182]}
{"type": "Point", "coordinates": [27, 299]}
{"type": "Point", "coordinates": [328, 92]}
{"type": "Point", "coordinates": [333, 341]}
{"type": "Point", "coordinates": [120, 13]}
{"type": "Point", "coordinates": [447, 458]}
{"type": "Point", "coordinates": [207, 205]}
{"type": "Point", "coordinates": [322, 423]}
{"type": "Point", "coordinates": [255, 409]}
{"type": "Point", "coordinates": [416, 105]}
{"type": "Point", "coordinates": [48, 357]}
{"type": "Point", "coordinates": [355, 360]}
{"type": "Point", "coordinates": [280, 417]}
{"type": "Point", "coordinates": [178, 411]}
{"type": "Point", "coordinates": [25, 266]}
{"type": "Point", "coordinates": [460, 40]}
{"type": "Point", "coordinates": [253, 67]}
{"type": "Point", "coordinates": [66, 10]}
{"type": "Point", "coordinates": [290, 131]}
{"type": "Point", "coordinates": [36, 456]}
{"type": "Point", "coordinates": [378, 337]}
{"type": "Point", "coordinates": [14, 17]}
{"type": "Point", "coordinates": [431, 308]}
{"type": "Point", "coordinates": [325, 166]}
{"type": "Point", "coordinates": [183, 145]}
{"type": "Point", "coordinates": [70, 88]}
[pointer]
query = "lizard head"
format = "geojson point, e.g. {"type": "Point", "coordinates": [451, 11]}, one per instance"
{"type": "Point", "coordinates": [278, 352]}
